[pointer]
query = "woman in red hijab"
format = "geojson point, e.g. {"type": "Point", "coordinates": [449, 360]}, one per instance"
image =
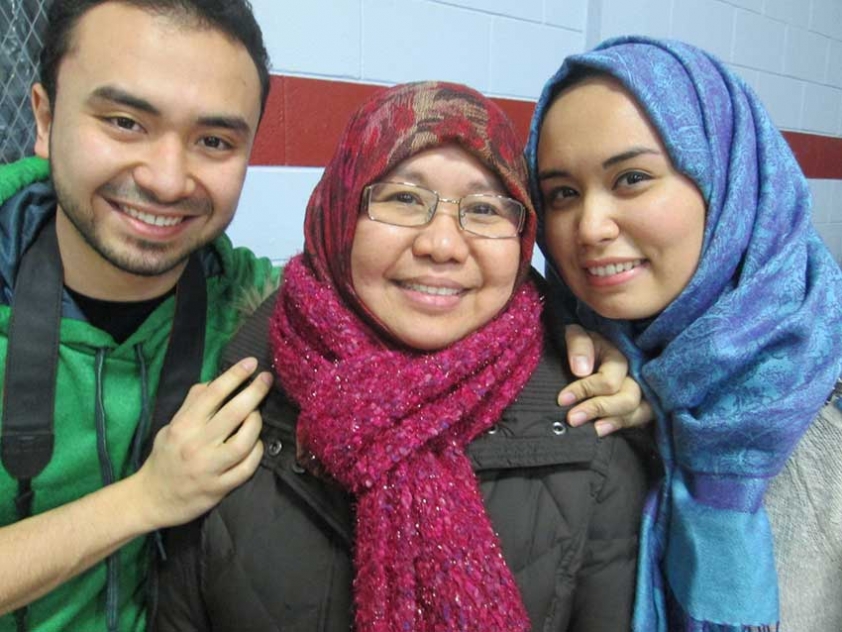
{"type": "Point", "coordinates": [418, 473]}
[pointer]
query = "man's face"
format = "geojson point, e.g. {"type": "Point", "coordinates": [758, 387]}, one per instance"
{"type": "Point", "coordinates": [148, 140]}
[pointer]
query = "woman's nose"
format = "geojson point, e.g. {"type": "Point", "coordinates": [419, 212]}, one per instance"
{"type": "Point", "coordinates": [443, 239]}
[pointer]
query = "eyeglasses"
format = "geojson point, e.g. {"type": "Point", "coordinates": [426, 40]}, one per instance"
{"type": "Point", "coordinates": [402, 204]}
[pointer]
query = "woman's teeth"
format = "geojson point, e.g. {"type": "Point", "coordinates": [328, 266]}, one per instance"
{"type": "Point", "coordinates": [614, 268]}
{"type": "Point", "coordinates": [434, 290]}
{"type": "Point", "coordinates": [149, 218]}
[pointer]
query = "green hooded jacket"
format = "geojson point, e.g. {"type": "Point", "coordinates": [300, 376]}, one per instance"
{"type": "Point", "coordinates": [90, 359]}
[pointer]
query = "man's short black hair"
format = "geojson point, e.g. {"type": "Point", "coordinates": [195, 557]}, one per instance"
{"type": "Point", "coordinates": [232, 17]}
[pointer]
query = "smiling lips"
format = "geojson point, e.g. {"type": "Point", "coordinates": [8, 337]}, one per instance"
{"type": "Point", "coordinates": [433, 290]}
{"type": "Point", "coordinates": [613, 268]}
{"type": "Point", "coordinates": [149, 218]}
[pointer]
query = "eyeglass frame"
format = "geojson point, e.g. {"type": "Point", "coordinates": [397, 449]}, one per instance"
{"type": "Point", "coordinates": [366, 199]}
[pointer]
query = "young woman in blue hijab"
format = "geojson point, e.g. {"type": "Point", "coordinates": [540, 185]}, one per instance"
{"type": "Point", "coordinates": [676, 221]}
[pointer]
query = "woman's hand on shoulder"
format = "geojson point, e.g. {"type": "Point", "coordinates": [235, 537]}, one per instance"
{"type": "Point", "coordinates": [608, 397]}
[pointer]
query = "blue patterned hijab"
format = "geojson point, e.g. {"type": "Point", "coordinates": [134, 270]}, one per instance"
{"type": "Point", "coordinates": [740, 362]}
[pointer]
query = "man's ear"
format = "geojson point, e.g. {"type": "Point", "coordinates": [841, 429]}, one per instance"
{"type": "Point", "coordinates": [43, 119]}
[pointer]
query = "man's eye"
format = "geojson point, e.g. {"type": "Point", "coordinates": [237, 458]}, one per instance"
{"type": "Point", "coordinates": [215, 142]}
{"type": "Point", "coordinates": [124, 122]}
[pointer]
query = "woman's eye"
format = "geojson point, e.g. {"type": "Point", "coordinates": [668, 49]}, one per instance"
{"type": "Point", "coordinates": [632, 177]}
{"type": "Point", "coordinates": [559, 196]}
{"type": "Point", "coordinates": [405, 197]}
{"type": "Point", "coordinates": [480, 210]}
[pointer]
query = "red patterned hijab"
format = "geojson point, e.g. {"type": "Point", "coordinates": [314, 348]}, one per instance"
{"type": "Point", "coordinates": [391, 424]}
{"type": "Point", "coordinates": [391, 127]}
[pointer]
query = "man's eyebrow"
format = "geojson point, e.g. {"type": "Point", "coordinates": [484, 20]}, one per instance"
{"type": "Point", "coordinates": [121, 97]}
{"type": "Point", "coordinates": [628, 155]}
{"type": "Point", "coordinates": [233, 123]}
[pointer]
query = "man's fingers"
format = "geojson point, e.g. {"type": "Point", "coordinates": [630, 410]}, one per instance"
{"type": "Point", "coordinates": [203, 400]}
{"type": "Point", "coordinates": [235, 411]}
{"type": "Point", "coordinates": [239, 444]}
{"type": "Point", "coordinates": [242, 471]}
{"type": "Point", "coordinates": [580, 350]}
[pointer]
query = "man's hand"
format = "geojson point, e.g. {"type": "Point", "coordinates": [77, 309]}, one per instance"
{"type": "Point", "coordinates": [609, 395]}
{"type": "Point", "coordinates": [209, 448]}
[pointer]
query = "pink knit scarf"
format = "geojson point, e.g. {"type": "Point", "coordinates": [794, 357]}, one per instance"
{"type": "Point", "coordinates": [391, 426]}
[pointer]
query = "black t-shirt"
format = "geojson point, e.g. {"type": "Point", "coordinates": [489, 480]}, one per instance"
{"type": "Point", "coordinates": [120, 319]}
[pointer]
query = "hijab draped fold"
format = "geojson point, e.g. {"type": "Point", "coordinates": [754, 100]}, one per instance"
{"type": "Point", "coordinates": [740, 362]}
{"type": "Point", "coordinates": [388, 423]}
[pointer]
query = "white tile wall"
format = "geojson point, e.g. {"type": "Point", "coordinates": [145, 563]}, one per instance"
{"type": "Point", "coordinates": [523, 55]}
{"type": "Point", "coordinates": [271, 216]}
{"type": "Point", "coordinates": [751, 5]}
{"type": "Point", "coordinates": [688, 14]}
{"type": "Point", "coordinates": [826, 17]}
{"type": "Point", "coordinates": [405, 40]}
{"type": "Point", "coordinates": [834, 64]}
{"type": "Point", "coordinates": [641, 17]}
{"type": "Point", "coordinates": [759, 42]}
{"type": "Point", "coordinates": [822, 107]}
{"type": "Point", "coordinates": [823, 192]}
{"type": "Point", "coordinates": [324, 39]}
{"type": "Point", "coordinates": [805, 55]}
{"type": "Point", "coordinates": [572, 14]}
{"type": "Point", "coordinates": [794, 12]}
{"type": "Point", "coordinates": [532, 10]}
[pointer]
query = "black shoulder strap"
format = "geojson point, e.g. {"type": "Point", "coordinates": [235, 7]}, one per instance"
{"type": "Point", "coordinates": [186, 350]}
{"type": "Point", "coordinates": [26, 434]}
{"type": "Point", "coordinates": [26, 442]}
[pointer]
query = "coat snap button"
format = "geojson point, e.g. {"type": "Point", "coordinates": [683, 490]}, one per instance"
{"type": "Point", "coordinates": [559, 428]}
{"type": "Point", "coordinates": [275, 447]}
{"type": "Point", "coordinates": [493, 430]}
{"type": "Point", "coordinates": [298, 469]}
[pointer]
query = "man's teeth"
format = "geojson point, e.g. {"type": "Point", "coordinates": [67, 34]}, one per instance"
{"type": "Point", "coordinates": [149, 218]}
{"type": "Point", "coordinates": [614, 268]}
{"type": "Point", "coordinates": [430, 289]}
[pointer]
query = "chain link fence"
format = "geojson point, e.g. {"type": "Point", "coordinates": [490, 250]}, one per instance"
{"type": "Point", "coordinates": [22, 25]}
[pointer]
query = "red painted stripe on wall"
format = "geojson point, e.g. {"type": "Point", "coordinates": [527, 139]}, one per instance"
{"type": "Point", "coordinates": [305, 117]}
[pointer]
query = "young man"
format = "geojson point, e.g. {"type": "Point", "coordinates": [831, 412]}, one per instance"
{"type": "Point", "coordinates": [117, 293]}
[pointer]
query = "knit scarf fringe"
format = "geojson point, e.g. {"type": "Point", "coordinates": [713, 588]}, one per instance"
{"type": "Point", "coordinates": [391, 426]}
